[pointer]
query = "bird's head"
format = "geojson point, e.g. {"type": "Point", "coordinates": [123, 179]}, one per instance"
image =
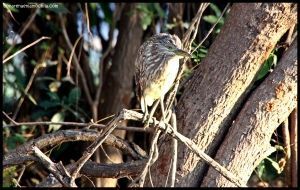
{"type": "Point", "coordinates": [170, 45]}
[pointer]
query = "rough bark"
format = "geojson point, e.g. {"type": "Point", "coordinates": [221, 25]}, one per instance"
{"type": "Point", "coordinates": [248, 140]}
{"type": "Point", "coordinates": [117, 89]}
{"type": "Point", "coordinates": [221, 82]}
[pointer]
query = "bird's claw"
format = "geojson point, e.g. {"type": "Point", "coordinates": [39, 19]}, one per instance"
{"type": "Point", "coordinates": [146, 120]}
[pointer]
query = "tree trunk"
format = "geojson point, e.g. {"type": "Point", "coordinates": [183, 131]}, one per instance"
{"type": "Point", "coordinates": [269, 105]}
{"type": "Point", "coordinates": [221, 83]}
{"type": "Point", "coordinates": [117, 90]}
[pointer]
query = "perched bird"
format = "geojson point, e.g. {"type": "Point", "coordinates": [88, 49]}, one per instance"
{"type": "Point", "coordinates": [156, 67]}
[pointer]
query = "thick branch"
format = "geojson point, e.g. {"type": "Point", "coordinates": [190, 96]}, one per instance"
{"type": "Point", "coordinates": [249, 136]}
{"type": "Point", "coordinates": [22, 154]}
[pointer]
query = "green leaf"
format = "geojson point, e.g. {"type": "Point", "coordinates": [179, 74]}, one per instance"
{"type": "Point", "coordinates": [215, 9]}
{"type": "Point", "coordinates": [265, 69]}
{"type": "Point", "coordinates": [74, 95]}
{"type": "Point", "coordinates": [159, 10]}
{"type": "Point", "coordinates": [275, 165]}
{"type": "Point", "coordinates": [58, 117]}
{"type": "Point", "coordinates": [20, 76]}
{"type": "Point", "coordinates": [40, 113]}
{"type": "Point", "coordinates": [203, 50]}
{"type": "Point", "coordinates": [46, 104]}
{"type": "Point", "coordinates": [8, 175]}
{"type": "Point", "coordinates": [212, 19]}
{"type": "Point", "coordinates": [261, 169]}
{"type": "Point", "coordinates": [53, 96]}
{"type": "Point", "coordinates": [14, 141]}
{"type": "Point", "coordinates": [146, 21]}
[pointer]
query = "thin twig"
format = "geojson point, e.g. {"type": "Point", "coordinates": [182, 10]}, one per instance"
{"type": "Point", "coordinates": [211, 29]}
{"type": "Point", "coordinates": [21, 173]}
{"type": "Point", "coordinates": [87, 18]}
{"type": "Point", "coordinates": [10, 119]}
{"type": "Point", "coordinates": [186, 36]}
{"type": "Point", "coordinates": [174, 151]}
{"type": "Point", "coordinates": [77, 64]}
{"type": "Point", "coordinates": [34, 72]}
{"type": "Point", "coordinates": [26, 47]}
{"type": "Point", "coordinates": [71, 56]}
{"type": "Point", "coordinates": [287, 148]}
{"type": "Point", "coordinates": [294, 147]}
{"type": "Point", "coordinates": [100, 126]}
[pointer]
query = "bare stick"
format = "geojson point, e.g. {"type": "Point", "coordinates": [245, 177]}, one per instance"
{"type": "Point", "coordinates": [22, 153]}
{"type": "Point", "coordinates": [294, 148]}
{"type": "Point", "coordinates": [52, 167]}
{"type": "Point", "coordinates": [100, 126]}
{"type": "Point", "coordinates": [87, 18]}
{"type": "Point", "coordinates": [21, 173]}
{"type": "Point", "coordinates": [71, 56]}
{"type": "Point", "coordinates": [26, 47]}
{"type": "Point", "coordinates": [174, 151]}
{"type": "Point", "coordinates": [287, 148]}
{"type": "Point", "coordinates": [10, 119]}
{"type": "Point", "coordinates": [92, 148]}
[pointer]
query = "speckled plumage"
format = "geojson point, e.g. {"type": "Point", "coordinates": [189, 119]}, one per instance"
{"type": "Point", "coordinates": [156, 66]}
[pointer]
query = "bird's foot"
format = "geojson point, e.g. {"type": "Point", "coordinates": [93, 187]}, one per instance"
{"type": "Point", "coordinates": [163, 135]}
{"type": "Point", "coordinates": [145, 116]}
{"type": "Point", "coordinates": [146, 120]}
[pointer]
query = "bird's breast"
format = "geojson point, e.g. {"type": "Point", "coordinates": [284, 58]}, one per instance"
{"type": "Point", "coordinates": [163, 82]}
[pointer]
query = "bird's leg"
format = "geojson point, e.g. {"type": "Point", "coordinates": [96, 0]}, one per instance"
{"type": "Point", "coordinates": [146, 111]}
{"type": "Point", "coordinates": [161, 100]}
{"type": "Point", "coordinates": [151, 113]}
{"type": "Point", "coordinates": [163, 114]}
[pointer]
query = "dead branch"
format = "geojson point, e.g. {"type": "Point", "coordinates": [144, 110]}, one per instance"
{"type": "Point", "coordinates": [13, 157]}
{"type": "Point", "coordinates": [57, 170]}
{"type": "Point", "coordinates": [22, 154]}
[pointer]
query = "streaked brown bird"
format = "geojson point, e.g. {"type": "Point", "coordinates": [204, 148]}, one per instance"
{"type": "Point", "coordinates": [156, 68]}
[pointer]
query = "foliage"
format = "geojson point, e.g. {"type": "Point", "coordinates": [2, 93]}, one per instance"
{"type": "Point", "coordinates": [267, 66]}
{"type": "Point", "coordinates": [271, 167]}
{"type": "Point", "coordinates": [199, 54]}
{"type": "Point", "coordinates": [149, 12]}
{"type": "Point", "coordinates": [213, 18]}
{"type": "Point", "coordinates": [8, 175]}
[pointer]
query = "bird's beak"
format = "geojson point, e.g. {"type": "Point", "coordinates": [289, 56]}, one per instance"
{"type": "Point", "coordinates": [182, 53]}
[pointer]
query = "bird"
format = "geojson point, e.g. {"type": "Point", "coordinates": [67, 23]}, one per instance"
{"type": "Point", "coordinates": [156, 68]}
